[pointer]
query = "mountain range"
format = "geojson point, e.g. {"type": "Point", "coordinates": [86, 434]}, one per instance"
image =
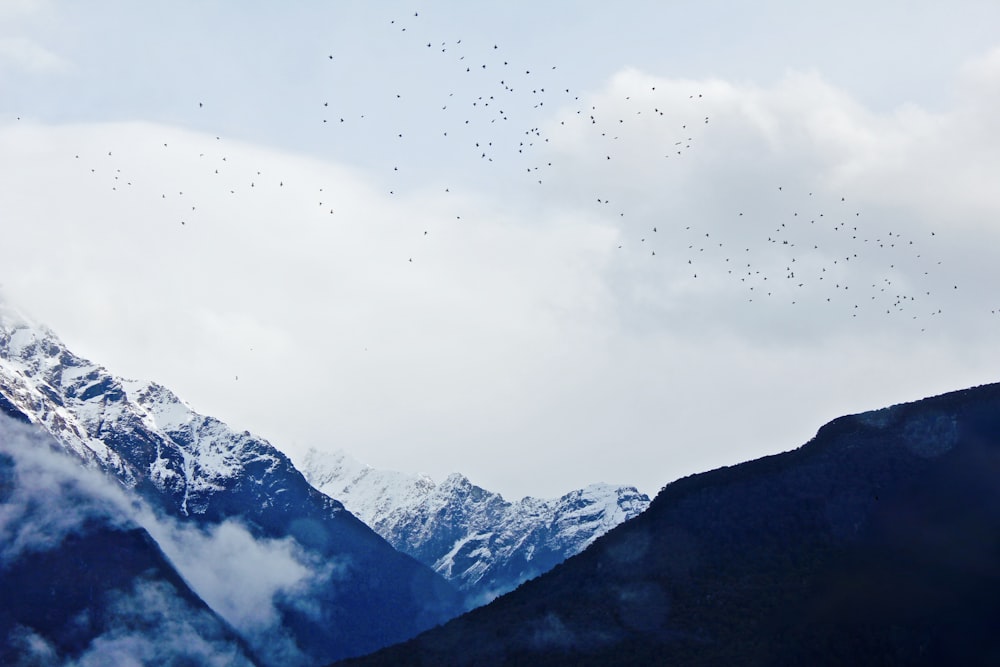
{"type": "Point", "coordinates": [876, 543]}
{"type": "Point", "coordinates": [134, 529]}
{"type": "Point", "coordinates": [476, 539]}
{"type": "Point", "coordinates": [345, 590]}
{"type": "Point", "coordinates": [232, 538]}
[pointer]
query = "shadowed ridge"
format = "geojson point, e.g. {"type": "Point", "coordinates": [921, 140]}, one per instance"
{"type": "Point", "coordinates": [91, 586]}
{"type": "Point", "coordinates": [874, 543]}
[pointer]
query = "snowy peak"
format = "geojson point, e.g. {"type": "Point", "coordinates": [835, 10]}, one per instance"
{"type": "Point", "coordinates": [186, 455]}
{"type": "Point", "coordinates": [474, 537]}
{"type": "Point", "coordinates": [375, 493]}
{"type": "Point", "coordinates": [196, 469]}
{"type": "Point", "coordinates": [71, 398]}
{"type": "Point", "coordinates": [596, 509]}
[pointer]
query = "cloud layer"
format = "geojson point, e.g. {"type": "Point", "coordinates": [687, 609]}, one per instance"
{"type": "Point", "coordinates": [425, 302]}
{"type": "Point", "coordinates": [48, 496]}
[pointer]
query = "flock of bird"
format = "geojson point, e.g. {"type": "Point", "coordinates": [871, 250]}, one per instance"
{"type": "Point", "coordinates": [489, 114]}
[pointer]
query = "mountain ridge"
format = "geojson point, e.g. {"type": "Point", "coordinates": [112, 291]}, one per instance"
{"type": "Point", "coordinates": [473, 537]}
{"type": "Point", "coordinates": [873, 543]}
{"type": "Point", "coordinates": [194, 467]}
{"type": "Point", "coordinates": [82, 579]}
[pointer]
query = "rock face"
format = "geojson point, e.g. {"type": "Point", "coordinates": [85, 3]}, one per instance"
{"type": "Point", "coordinates": [195, 468]}
{"type": "Point", "coordinates": [475, 538]}
{"type": "Point", "coordinates": [877, 542]}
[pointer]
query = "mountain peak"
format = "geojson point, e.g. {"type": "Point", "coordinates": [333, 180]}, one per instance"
{"type": "Point", "coordinates": [196, 469]}
{"type": "Point", "coordinates": [12, 317]}
{"type": "Point", "coordinates": [474, 537]}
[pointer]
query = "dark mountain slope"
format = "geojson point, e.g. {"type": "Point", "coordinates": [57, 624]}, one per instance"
{"type": "Point", "coordinates": [878, 542]}
{"type": "Point", "coordinates": [89, 586]}
{"type": "Point", "coordinates": [102, 586]}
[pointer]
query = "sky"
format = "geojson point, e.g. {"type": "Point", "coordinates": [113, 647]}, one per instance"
{"type": "Point", "coordinates": [541, 244]}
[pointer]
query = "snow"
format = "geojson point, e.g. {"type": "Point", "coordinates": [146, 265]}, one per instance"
{"type": "Point", "coordinates": [25, 360]}
{"type": "Point", "coordinates": [20, 340]}
{"type": "Point", "coordinates": [374, 494]}
{"type": "Point", "coordinates": [445, 565]}
{"type": "Point", "coordinates": [160, 472]}
{"type": "Point", "coordinates": [160, 408]}
{"type": "Point", "coordinates": [464, 532]}
{"type": "Point", "coordinates": [47, 382]}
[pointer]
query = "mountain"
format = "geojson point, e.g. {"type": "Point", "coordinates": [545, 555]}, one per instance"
{"type": "Point", "coordinates": [877, 542]}
{"type": "Point", "coordinates": [484, 544]}
{"type": "Point", "coordinates": [362, 594]}
{"type": "Point", "coordinates": [82, 583]}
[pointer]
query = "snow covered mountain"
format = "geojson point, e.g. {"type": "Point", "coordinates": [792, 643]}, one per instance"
{"type": "Point", "coordinates": [359, 594]}
{"type": "Point", "coordinates": [82, 579]}
{"type": "Point", "coordinates": [475, 538]}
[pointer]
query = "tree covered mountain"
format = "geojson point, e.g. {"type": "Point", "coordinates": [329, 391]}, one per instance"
{"type": "Point", "coordinates": [877, 542]}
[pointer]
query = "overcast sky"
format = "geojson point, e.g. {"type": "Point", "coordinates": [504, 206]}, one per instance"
{"type": "Point", "coordinates": [544, 244]}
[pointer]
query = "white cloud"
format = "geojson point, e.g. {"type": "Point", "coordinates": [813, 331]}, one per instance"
{"type": "Point", "coordinates": [151, 625]}
{"type": "Point", "coordinates": [47, 496]}
{"type": "Point", "coordinates": [50, 497]}
{"type": "Point", "coordinates": [35, 650]}
{"type": "Point", "coordinates": [521, 335]}
{"type": "Point", "coordinates": [245, 579]}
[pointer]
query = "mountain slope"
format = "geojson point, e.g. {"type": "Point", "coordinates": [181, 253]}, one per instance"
{"type": "Point", "coordinates": [82, 583]}
{"type": "Point", "coordinates": [876, 542]}
{"type": "Point", "coordinates": [366, 594]}
{"type": "Point", "coordinates": [484, 544]}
